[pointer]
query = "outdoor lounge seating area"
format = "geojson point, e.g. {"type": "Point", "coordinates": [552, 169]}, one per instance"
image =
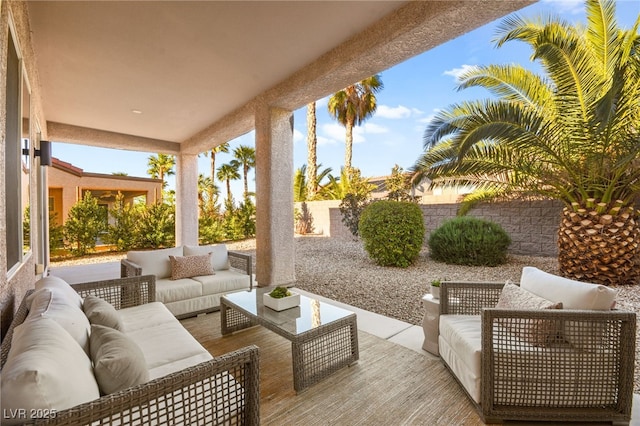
{"type": "Point", "coordinates": [551, 349]}
{"type": "Point", "coordinates": [106, 352]}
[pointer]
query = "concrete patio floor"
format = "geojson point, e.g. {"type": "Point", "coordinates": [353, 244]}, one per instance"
{"type": "Point", "coordinates": [396, 331]}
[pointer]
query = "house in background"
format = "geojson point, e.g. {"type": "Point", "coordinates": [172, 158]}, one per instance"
{"type": "Point", "coordinates": [424, 194]}
{"type": "Point", "coordinates": [67, 184]}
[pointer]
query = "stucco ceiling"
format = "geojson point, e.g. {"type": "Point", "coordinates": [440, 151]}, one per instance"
{"type": "Point", "coordinates": [171, 70]}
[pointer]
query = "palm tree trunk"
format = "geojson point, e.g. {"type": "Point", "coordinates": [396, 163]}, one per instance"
{"type": "Point", "coordinates": [161, 176]}
{"type": "Point", "coordinates": [312, 159]}
{"type": "Point", "coordinates": [245, 174]}
{"type": "Point", "coordinates": [229, 190]}
{"type": "Point", "coordinates": [348, 145]}
{"type": "Point", "coordinates": [213, 165]}
{"type": "Point", "coordinates": [600, 248]}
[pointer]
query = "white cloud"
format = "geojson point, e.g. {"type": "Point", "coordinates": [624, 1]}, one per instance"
{"type": "Point", "coordinates": [393, 113]}
{"type": "Point", "coordinates": [373, 128]}
{"type": "Point", "coordinates": [457, 72]}
{"type": "Point", "coordinates": [326, 141]}
{"type": "Point", "coordinates": [298, 136]}
{"type": "Point", "coordinates": [336, 132]}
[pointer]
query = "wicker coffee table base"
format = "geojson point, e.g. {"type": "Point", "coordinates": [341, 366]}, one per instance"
{"type": "Point", "coordinates": [315, 354]}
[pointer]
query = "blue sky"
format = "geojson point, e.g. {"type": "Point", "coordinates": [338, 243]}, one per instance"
{"type": "Point", "coordinates": [414, 90]}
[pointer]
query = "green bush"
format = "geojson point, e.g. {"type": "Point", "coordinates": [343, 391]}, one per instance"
{"type": "Point", "coordinates": [84, 225]}
{"type": "Point", "coordinates": [469, 241]}
{"type": "Point", "coordinates": [392, 232]}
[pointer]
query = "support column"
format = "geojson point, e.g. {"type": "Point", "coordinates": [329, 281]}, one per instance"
{"type": "Point", "coordinates": [186, 199]}
{"type": "Point", "coordinates": [275, 245]}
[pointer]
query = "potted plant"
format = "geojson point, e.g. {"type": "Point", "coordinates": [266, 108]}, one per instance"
{"type": "Point", "coordinates": [435, 288]}
{"type": "Point", "coordinates": [281, 298]}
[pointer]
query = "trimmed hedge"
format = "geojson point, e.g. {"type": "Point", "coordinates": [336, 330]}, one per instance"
{"type": "Point", "coordinates": [469, 241]}
{"type": "Point", "coordinates": [392, 232]}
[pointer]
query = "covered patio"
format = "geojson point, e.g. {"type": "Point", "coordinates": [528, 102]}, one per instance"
{"type": "Point", "coordinates": [183, 77]}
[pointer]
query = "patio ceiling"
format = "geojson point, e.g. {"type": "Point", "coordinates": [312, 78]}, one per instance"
{"type": "Point", "coordinates": [195, 71]}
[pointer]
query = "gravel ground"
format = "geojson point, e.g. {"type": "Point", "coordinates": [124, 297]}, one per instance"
{"type": "Point", "coordinates": [341, 270]}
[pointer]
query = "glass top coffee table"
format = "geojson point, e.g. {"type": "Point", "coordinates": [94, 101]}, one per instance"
{"type": "Point", "coordinates": [324, 338]}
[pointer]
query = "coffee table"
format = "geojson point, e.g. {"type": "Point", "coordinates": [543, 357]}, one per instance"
{"type": "Point", "coordinates": [324, 338]}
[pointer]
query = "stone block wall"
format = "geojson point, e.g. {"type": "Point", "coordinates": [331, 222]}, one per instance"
{"type": "Point", "coordinates": [532, 225]}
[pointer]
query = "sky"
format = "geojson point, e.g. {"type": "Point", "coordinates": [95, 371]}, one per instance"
{"type": "Point", "coordinates": [413, 92]}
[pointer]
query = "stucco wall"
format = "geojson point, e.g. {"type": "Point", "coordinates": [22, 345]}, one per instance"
{"type": "Point", "coordinates": [532, 225]}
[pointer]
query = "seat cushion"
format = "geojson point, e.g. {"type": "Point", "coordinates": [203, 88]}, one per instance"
{"type": "Point", "coordinates": [223, 281]}
{"type": "Point", "coordinates": [118, 362]}
{"type": "Point", "coordinates": [45, 370]}
{"type": "Point", "coordinates": [168, 290]}
{"type": "Point", "coordinates": [155, 262]}
{"type": "Point", "coordinates": [219, 258]}
{"type": "Point", "coordinates": [145, 316]}
{"type": "Point", "coordinates": [460, 345]}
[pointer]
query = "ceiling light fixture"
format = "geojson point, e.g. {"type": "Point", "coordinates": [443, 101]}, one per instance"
{"type": "Point", "coordinates": [136, 111]}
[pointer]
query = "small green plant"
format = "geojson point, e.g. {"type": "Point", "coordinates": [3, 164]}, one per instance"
{"type": "Point", "coordinates": [435, 283]}
{"type": "Point", "coordinates": [280, 292]}
{"type": "Point", "coordinates": [469, 241]}
{"type": "Point", "coordinates": [392, 232]}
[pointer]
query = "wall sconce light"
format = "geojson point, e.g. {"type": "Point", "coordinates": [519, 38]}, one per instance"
{"type": "Point", "coordinates": [44, 153]}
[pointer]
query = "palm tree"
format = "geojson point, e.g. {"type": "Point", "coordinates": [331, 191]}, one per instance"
{"type": "Point", "coordinates": [352, 106]}
{"type": "Point", "coordinates": [312, 158]}
{"type": "Point", "coordinates": [350, 182]}
{"type": "Point", "coordinates": [571, 134]}
{"type": "Point", "coordinates": [161, 166]}
{"type": "Point", "coordinates": [245, 156]}
{"type": "Point", "coordinates": [227, 173]}
{"type": "Point", "coordinates": [300, 186]}
{"type": "Point", "coordinates": [207, 194]}
{"type": "Point", "coordinates": [212, 156]}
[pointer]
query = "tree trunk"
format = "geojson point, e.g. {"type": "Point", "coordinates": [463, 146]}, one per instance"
{"type": "Point", "coordinates": [348, 145]}
{"type": "Point", "coordinates": [312, 143]}
{"type": "Point", "coordinates": [600, 247]}
{"type": "Point", "coordinates": [213, 165]}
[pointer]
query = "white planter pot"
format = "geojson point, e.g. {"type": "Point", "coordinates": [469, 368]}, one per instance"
{"type": "Point", "coordinates": [282, 303]}
{"type": "Point", "coordinates": [435, 292]}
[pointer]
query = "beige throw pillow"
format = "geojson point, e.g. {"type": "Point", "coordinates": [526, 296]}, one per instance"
{"type": "Point", "coordinates": [101, 312]}
{"type": "Point", "coordinates": [118, 362]}
{"type": "Point", "coordinates": [190, 266]}
{"type": "Point", "coordinates": [537, 332]}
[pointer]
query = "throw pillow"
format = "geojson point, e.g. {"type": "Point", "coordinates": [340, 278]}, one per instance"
{"type": "Point", "coordinates": [220, 258]}
{"type": "Point", "coordinates": [45, 370]}
{"type": "Point", "coordinates": [537, 332]}
{"type": "Point", "coordinates": [190, 266]}
{"type": "Point", "coordinates": [118, 362]}
{"type": "Point", "coordinates": [101, 312]}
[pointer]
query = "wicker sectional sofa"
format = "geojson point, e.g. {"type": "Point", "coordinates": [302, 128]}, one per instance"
{"type": "Point", "coordinates": [189, 294]}
{"type": "Point", "coordinates": [570, 359]}
{"type": "Point", "coordinates": [107, 353]}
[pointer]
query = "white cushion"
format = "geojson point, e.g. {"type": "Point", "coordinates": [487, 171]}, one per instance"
{"type": "Point", "coordinates": [572, 294]}
{"type": "Point", "coordinates": [155, 262]}
{"type": "Point", "coordinates": [168, 290]}
{"type": "Point", "coordinates": [58, 284]}
{"type": "Point", "coordinates": [145, 316]}
{"type": "Point", "coordinates": [45, 370]}
{"type": "Point", "coordinates": [54, 304]}
{"type": "Point", "coordinates": [222, 282]}
{"type": "Point", "coordinates": [99, 311]}
{"type": "Point", "coordinates": [220, 258]}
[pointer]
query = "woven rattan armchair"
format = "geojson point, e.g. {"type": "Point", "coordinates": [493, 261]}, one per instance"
{"type": "Point", "coordinates": [192, 396]}
{"type": "Point", "coordinates": [586, 379]}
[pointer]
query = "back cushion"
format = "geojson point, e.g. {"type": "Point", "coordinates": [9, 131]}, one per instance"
{"type": "Point", "coordinates": [219, 258]}
{"type": "Point", "coordinates": [54, 304]}
{"type": "Point", "coordinates": [62, 286]}
{"type": "Point", "coordinates": [155, 262]}
{"type": "Point", "coordinates": [45, 370]}
{"type": "Point", "coordinates": [572, 294]}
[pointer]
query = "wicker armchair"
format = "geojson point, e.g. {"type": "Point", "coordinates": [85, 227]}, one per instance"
{"type": "Point", "coordinates": [587, 378]}
{"type": "Point", "coordinates": [192, 396]}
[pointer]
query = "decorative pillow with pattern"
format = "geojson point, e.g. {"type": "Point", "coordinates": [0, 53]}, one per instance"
{"type": "Point", "coordinates": [190, 266]}
{"type": "Point", "coordinates": [537, 332]}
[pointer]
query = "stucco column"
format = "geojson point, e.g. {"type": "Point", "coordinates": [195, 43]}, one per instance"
{"type": "Point", "coordinates": [275, 249]}
{"type": "Point", "coordinates": [186, 199]}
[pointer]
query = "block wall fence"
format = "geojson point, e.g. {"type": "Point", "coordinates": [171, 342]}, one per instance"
{"type": "Point", "coordinates": [532, 225]}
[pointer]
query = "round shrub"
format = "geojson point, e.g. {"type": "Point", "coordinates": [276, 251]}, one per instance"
{"type": "Point", "coordinates": [392, 231]}
{"type": "Point", "coordinates": [469, 241]}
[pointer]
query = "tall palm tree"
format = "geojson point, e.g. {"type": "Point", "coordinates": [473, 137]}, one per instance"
{"type": "Point", "coordinates": [227, 173]}
{"type": "Point", "coordinates": [160, 166]}
{"type": "Point", "coordinates": [212, 157]}
{"type": "Point", "coordinates": [245, 156]}
{"type": "Point", "coordinates": [312, 158]}
{"type": "Point", "coordinates": [571, 134]}
{"type": "Point", "coordinates": [352, 105]}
